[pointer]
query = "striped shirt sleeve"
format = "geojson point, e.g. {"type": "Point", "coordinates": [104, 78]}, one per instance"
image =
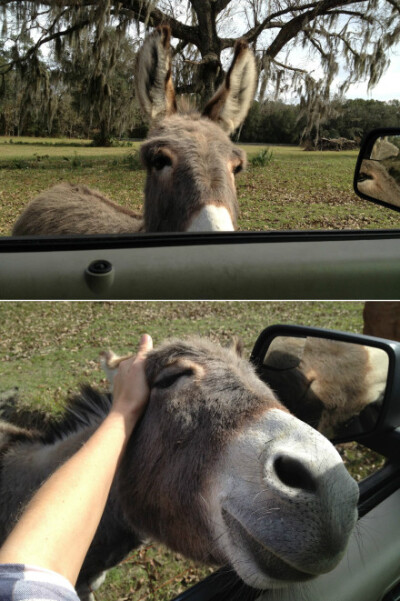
{"type": "Point", "coordinates": [29, 583]}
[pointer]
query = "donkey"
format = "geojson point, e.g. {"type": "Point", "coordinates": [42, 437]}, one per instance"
{"type": "Point", "coordinates": [190, 160]}
{"type": "Point", "coordinates": [382, 319]}
{"type": "Point", "coordinates": [314, 379]}
{"type": "Point", "coordinates": [217, 469]}
{"type": "Point", "coordinates": [376, 181]}
{"type": "Point", "coordinates": [384, 149]}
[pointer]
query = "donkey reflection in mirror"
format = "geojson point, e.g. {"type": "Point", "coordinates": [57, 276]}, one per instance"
{"type": "Point", "coordinates": [190, 160]}
{"type": "Point", "coordinates": [217, 469]}
{"type": "Point", "coordinates": [375, 180]}
{"type": "Point", "coordinates": [337, 387]}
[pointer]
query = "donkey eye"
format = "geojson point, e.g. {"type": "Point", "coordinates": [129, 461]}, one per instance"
{"type": "Point", "coordinates": [237, 168]}
{"type": "Point", "coordinates": [160, 161]}
{"type": "Point", "coordinates": [169, 379]}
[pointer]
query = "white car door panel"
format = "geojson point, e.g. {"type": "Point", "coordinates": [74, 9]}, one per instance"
{"type": "Point", "coordinates": [330, 265]}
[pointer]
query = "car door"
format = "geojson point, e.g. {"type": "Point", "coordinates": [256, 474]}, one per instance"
{"type": "Point", "coordinates": [274, 265]}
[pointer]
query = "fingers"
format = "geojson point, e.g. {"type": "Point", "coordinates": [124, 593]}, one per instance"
{"type": "Point", "coordinates": [145, 345]}
{"type": "Point", "coordinates": [131, 391]}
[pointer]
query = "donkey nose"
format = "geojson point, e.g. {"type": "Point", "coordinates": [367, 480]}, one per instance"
{"type": "Point", "coordinates": [293, 472]}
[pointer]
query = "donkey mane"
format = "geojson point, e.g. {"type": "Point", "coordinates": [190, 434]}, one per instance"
{"type": "Point", "coordinates": [24, 424]}
{"type": "Point", "coordinates": [88, 408]}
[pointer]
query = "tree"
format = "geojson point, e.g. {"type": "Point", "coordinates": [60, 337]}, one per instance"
{"type": "Point", "coordinates": [273, 122]}
{"type": "Point", "coordinates": [354, 35]}
{"type": "Point", "coordinates": [101, 87]}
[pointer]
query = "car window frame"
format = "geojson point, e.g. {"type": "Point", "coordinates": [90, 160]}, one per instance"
{"type": "Point", "coordinates": [306, 265]}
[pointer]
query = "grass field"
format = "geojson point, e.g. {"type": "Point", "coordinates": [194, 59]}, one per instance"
{"type": "Point", "coordinates": [46, 349]}
{"type": "Point", "coordinates": [296, 190]}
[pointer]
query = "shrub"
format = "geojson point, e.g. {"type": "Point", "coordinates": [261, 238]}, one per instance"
{"type": "Point", "coordinates": [76, 161]}
{"type": "Point", "coordinates": [132, 160]}
{"type": "Point", "coordinates": [262, 158]}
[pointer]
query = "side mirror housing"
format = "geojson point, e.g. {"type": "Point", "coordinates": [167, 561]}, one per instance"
{"type": "Point", "coordinates": [345, 385]}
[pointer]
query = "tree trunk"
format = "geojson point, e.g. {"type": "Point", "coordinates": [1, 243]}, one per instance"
{"type": "Point", "coordinates": [103, 137]}
{"type": "Point", "coordinates": [210, 72]}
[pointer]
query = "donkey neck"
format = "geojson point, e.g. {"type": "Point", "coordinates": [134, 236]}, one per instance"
{"type": "Point", "coordinates": [25, 466]}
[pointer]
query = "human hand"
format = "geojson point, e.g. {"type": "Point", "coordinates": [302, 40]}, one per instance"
{"type": "Point", "coordinates": [131, 391]}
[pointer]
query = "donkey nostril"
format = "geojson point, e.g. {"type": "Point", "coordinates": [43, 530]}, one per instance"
{"type": "Point", "coordinates": [294, 474]}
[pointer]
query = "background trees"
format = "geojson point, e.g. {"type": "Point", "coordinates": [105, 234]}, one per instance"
{"type": "Point", "coordinates": [85, 49]}
{"type": "Point", "coordinates": [279, 123]}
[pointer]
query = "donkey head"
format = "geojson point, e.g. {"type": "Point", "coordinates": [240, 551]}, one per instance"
{"type": "Point", "coordinates": [304, 374]}
{"type": "Point", "coordinates": [191, 162]}
{"type": "Point", "coordinates": [220, 471]}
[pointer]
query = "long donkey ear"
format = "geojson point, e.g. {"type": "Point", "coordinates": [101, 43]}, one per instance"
{"type": "Point", "coordinates": [109, 362]}
{"type": "Point", "coordinates": [153, 80]}
{"type": "Point", "coordinates": [230, 104]}
{"type": "Point", "coordinates": [236, 344]}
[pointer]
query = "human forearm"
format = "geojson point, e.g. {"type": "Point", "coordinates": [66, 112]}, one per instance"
{"type": "Point", "coordinates": [59, 523]}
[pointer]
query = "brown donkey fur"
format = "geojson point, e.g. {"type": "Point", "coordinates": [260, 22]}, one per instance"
{"type": "Point", "coordinates": [315, 379]}
{"type": "Point", "coordinates": [190, 160]}
{"type": "Point", "coordinates": [377, 182]}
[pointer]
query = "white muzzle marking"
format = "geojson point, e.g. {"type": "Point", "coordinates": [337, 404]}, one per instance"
{"type": "Point", "coordinates": [212, 219]}
{"type": "Point", "coordinates": [285, 521]}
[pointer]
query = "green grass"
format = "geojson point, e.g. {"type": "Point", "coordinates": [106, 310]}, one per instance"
{"type": "Point", "coordinates": [29, 140]}
{"type": "Point", "coordinates": [47, 349]}
{"type": "Point", "coordinates": [295, 190]}
{"type": "Point", "coordinates": [49, 152]}
{"type": "Point", "coordinates": [26, 170]}
{"type": "Point", "coordinates": [306, 190]}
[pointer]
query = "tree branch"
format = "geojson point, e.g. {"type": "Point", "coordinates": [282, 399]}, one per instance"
{"type": "Point", "coordinates": [154, 17]}
{"type": "Point", "coordinates": [138, 9]}
{"type": "Point", "coordinates": [253, 33]}
{"type": "Point", "coordinates": [353, 13]}
{"type": "Point", "coordinates": [316, 44]}
{"type": "Point", "coordinates": [314, 9]}
{"type": "Point", "coordinates": [395, 4]}
{"type": "Point", "coordinates": [220, 5]}
{"type": "Point", "coordinates": [288, 67]}
{"type": "Point", "coordinates": [331, 35]}
{"type": "Point", "coordinates": [293, 27]}
{"type": "Point", "coordinates": [180, 47]}
{"type": "Point", "coordinates": [42, 41]}
{"type": "Point", "coordinates": [204, 61]}
{"type": "Point", "coordinates": [230, 42]}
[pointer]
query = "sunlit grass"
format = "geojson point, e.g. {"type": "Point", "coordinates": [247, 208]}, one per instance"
{"type": "Point", "coordinates": [48, 348]}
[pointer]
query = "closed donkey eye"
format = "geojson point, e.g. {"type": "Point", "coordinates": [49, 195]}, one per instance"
{"type": "Point", "coordinates": [236, 164]}
{"type": "Point", "coordinates": [161, 160]}
{"type": "Point", "coordinates": [237, 168]}
{"type": "Point", "coordinates": [168, 379]}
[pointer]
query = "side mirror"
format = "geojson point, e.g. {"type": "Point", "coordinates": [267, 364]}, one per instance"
{"type": "Point", "coordinates": [377, 174]}
{"type": "Point", "coordinates": [347, 386]}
